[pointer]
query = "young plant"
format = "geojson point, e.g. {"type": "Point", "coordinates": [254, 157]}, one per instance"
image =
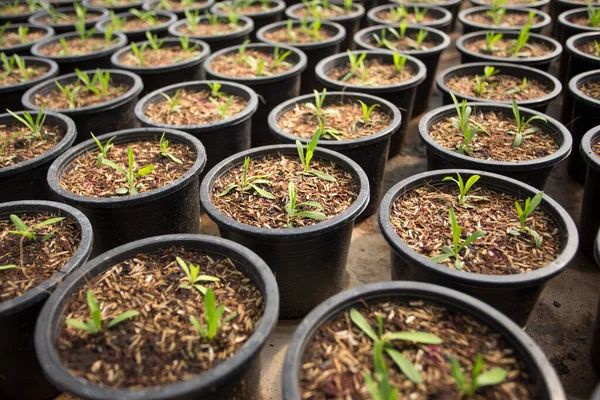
{"type": "Point", "coordinates": [596, 48]}
{"type": "Point", "coordinates": [367, 111]}
{"type": "Point", "coordinates": [213, 317]}
{"type": "Point", "coordinates": [518, 89]}
{"type": "Point", "coordinates": [153, 41]}
{"type": "Point", "coordinates": [221, 108]}
{"type": "Point", "coordinates": [234, 19]}
{"type": "Point", "coordinates": [192, 18]}
{"type": "Point", "coordinates": [164, 150]}
{"type": "Point", "coordinates": [497, 12]}
{"type": "Point", "coordinates": [480, 86]}
{"type": "Point", "coordinates": [138, 52]}
{"type": "Point", "coordinates": [98, 84]}
{"type": "Point", "coordinates": [22, 66]}
{"type": "Point", "coordinates": [462, 187]}
{"type": "Point", "coordinates": [305, 158]}
{"type": "Point", "coordinates": [524, 213]}
{"type": "Point", "coordinates": [250, 182]}
{"type": "Point", "coordinates": [382, 390]}
{"type": "Point", "coordinates": [148, 17]}
{"type": "Point", "coordinates": [289, 28]}
{"type": "Point", "coordinates": [33, 125]}
{"type": "Point", "coordinates": [55, 16]}
{"type": "Point", "coordinates": [399, 62]}
{"type": "Point", "coordinates": [420, 14]}
{"type": "Point", "coordinates": [173, 101]}
{"type": "Point", "coordinates": [348, 5]}
{"type": "Point", "coordinates": [479, 379]}
{"type": "Point", "coordinates": [70, 93]}
{"type": "Point", "coordinates": [23, 31]}
{"type": "Point", "coordinates": [457, 246]}
{"type": "Point", "coordinates": [257, 64]}
{"type": "Point", "coordinates": [522, 131]}
{"type": "Point", "coordinates": [355, 61]}
{"type": "Point", "coordinates": [116, 22]}
{"type": "Point", "coordinates": [417, 44]}
{"type": "Point", "coordinates": [129, 174]}
{"type": "Point", "coordinates": [278, 58]}
{"type": "Point", "coordinates": [94, 325]}
{"type": "Point", "coordinates": [462, 123]}
{"type": "Point", "coordinates": [193, 277]}
{"type": "Point", "coordinates": [382, 40]}
{"type": "Point", "coordinates": [213, 20]}
{"type": "Point", "coordinates": [64, 47]}
{"type": "Point", "coordinates": [317, 107]}
{"type": "Point", "coordinates": [491, 39]}
{"type": "Point", "coordinates": [399, 13]}
{"type": "Point", "coordinates": [103, 148]}
{"type": "Point", "coordinates": [83, 34]}
{"type": "Point", "coordinates": [108, 35]}
{"type": "Point", "coordinates": [521, 42]}
{"type": "Point", "coordinates": [593, 15]}
{"type": "Point", "coordinates": [291, 207]}
{"type": "Point", "coordinates": [488, 72]}
{"type": "Point", "coordinates": [242, 52]}
{"type": "Point", "coordinates": [2, 33]}
{"type": "Point", "coordinates": [8, 64]}
{"type": "Point", "coordinates": [29, 232]}
{"type": "Point", "coordinates": [214, 89]}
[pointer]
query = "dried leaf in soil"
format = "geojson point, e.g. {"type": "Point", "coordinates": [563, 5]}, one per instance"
{"type": "Point", "coordinates": [596, 147]}
{"type": "Point", "coordinates": [498, 86]}
{"type": "Point", "coordinates": [591, 89]}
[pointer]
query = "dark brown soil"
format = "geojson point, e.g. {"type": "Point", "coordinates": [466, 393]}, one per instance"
{"type": "Point", "coordinates": [194, 108]}
{"type": "Point", "coordinates": [339, 353]}
{"type": "Point", "coordinates": [588, 48]}
{"type": "Point", "coordinates": [379, 74]}
{"type": "Point", "coordinates": [596, 148]}
{"type": "Point", "coordinates": [299, 35]}
{"type": "Point", "coordinates": [159, 346]}
{"type": "Point", "coordinates": [345, 117]}
{"type": "Point", "coordinates": [410, 18]}
{"type": "Point", "coordinates": [75, 47]}
{"type": "Point", "coordinates": [510, 19]}
{"type": "Point", "coordinates": [21, 147]}
{"type": "Point", "coordinates": [167, 55]}
{"type": "Point", "coordinates": [497, 144]}
{"type": "Point", "coordinates": [504, 48]}
{"type": "Point", "coordinates": [420, 219]}
{"type": "Point", "coordinates": [84, 177]}
{"type": "Point", "coordinates": [176, 5]}
{"type": "Point", "coordinates": [15, 76]}
{"type": "Point", "coordinates": [249, 208]}
{"type": "Point", "coordinates": [497, 88]}
{"type": "Point", "coordinates": [56, 100]}
{"type": "Point", "coordinates": [11, 38]}
{"type": "Point", "coordinates": [37, 260]}
{"type": "Point", "coordinates": [205, 28]}
{"type": "Point", "coordinates": [230, 64]}
{"type": "Point", "coordinates": [591, 89]}
{"type": "Point", "coordinates": [68, 18]}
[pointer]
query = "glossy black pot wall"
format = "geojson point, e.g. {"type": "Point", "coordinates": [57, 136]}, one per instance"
{"type": "Point", "coordinates": [260, 19]}
{"type": "Point", "coordinates": [217, 41]}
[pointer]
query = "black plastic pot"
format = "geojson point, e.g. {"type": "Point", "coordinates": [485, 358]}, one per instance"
{"type": "Point", "coordinates": [546, 386]}
{"type": "Point", "coordinates": [160, 30]}
{"type": "Point", "coordinates": [365, 39]}
{"type": "Point", "coordinates": [24, 49]}
{"type": "Point", "coordinates": [272, 89]}
{"type": "Point", "coordinates": [91, 61]}
{"type": "Point", "coordinates": [218, 41]}
{"type": "Point", "coordinates": [537, 4]}
{"type": "Point", "coordinates": [567, 29]}
{"type": "Point", "coordinates": [308, 262]}
{"type": "Point", "coordinates": [369, 152]}
{"type": "Point", "coordinates": [116, 9]}
{"type": "Point", "coordinates": [235, 377]}
{"type": "Point", "coordinates": [27, 180]}
{"type": "Point", "coordinates": [221, 138]}
{"type": "Point", "coordinates": [577, 60]}
{"type": "Point", "coordinates": [589, 222]}
{"type": "Point", "coordinates": [531, 172]}
{"type": "Point", "coordinates": [21, 376]}
{"type": "Point", "coordinates": [59, 28]}
{"type": "Point", "coordinates": [443, 17]}
{"type": "Point", "coordinates": [15, 19]}
{"type": "Point", "coordinates": [202, 8]}
{"type": "Point", "coordinates": [595, 350]}
{"type": "Point", "coordinates": [543, 63]}
{"type": "Point", "coordinates": [557, 7]}
{"type": "Point", "coordinates": [113, 115]}
{"type": "Point", "coordinates": [10, 96]}
{"type": "Point", "coordinates": [469, 26]}
{"type": "Point", "coordinates": [164, 75]}
{"type": "Point", "coordinates": [540, 104]}
{"type": "Point", "coordinates": [350, 22]}
{"type": "Point", "coordinates": [514, 295]}
{"type": "Point", "coordinates": [173, 208]}
{"type": "Point", "coordinates": [402, 95]}
{"type": "Point", "coordinates": [315, 51]}
{"type": "Point", "coordinates": [451, 5]}
{"type": "Point", "coordinates": [260, 19]}
{"type": "Point", "coordinates": [581, 116]}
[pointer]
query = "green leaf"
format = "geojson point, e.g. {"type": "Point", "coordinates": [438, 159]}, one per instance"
{"type": "Point", "coordinates": [362, 323]}
{"type": "Point", "coordinates": [262, 192]}
{"type": "Point", "coordinates": [456, 230]}
{"type": "Point", "coordinates": [311, 214]}
{"type": "Point", "coordinates": [440, 257]}
{"type": "Point", "coordinates": [405, 365]}
{"type": "Point", "coordinates": [322, 175]}
{"type": "Point", "coordinates": [470, 182]}
{"type": "Point", "coordinates": [476, 235]}
{"type": "Point", "coordinates": [417, 337]}
{"type": "Point", "coordinates": [477, 366]}
{"type": "Point", "coordinates": [106, 161]}
{"type": "Point", "coordinates": [18, 222]}
{"type": "Point", "coordinates": [372, 387]}
{"type": "Point", "coordinates": [75, 323]}
{"type": "Point", "coordinates": [534, 203]}
{"type": "Point", "coordinates": [94, 310]}
{"type": "Point", "coordinates": [310, 204]}
{"type": "Point", "coordinates": [210, 310]}
{"type": "Point", "coordinates": [48, 222]}
{"type": "Point", "coordinates": [145, 171]}
{"type": "Point", "coordinates": [301, 153]}
{"type": "Point", "coordinates": [228, 189]}
{"type": "Point", "coordinates": [196, 324]}
{"type": "Point", "coordinates": [494, 376]}
{"type": "Point", "coordinates": [122, 317]}
{"type": "Point", "coordinates": [457, 374]}
{"type": "Point", "coordinates": [207, 278]}
{"type": "Point", "coordinates": [9, 266]}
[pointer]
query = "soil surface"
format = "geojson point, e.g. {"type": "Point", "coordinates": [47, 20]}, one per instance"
{"type": "Point", "coordinates": [591, 89]}
{"type": "Point", "coordinates": [75, 47]}
{"type": "Point", "coordinates": [511, 2]}
{"type": "Point", "coordinates": [504, 48]}
{"type": "Point", "coordinates": [167, 55]}
{"type": "Point", "coordinates": [112, 3]}
{"type": "Point", "coordinates": [56, 100]}
{"type": "Point", "coordinates": [252, 9]}
{"type": "Point", "coordinates": [298, 35]}
{"type": "Point", "coordinates": [408, 42]}
{"type": "Point", "coordinates": [588, 47]}
{"type": "Point", "coordinates": [378, 73]}
{"type": "Point", "coordinates": [67, 18]}
{"type": "Point", "coordinates": [176, 5]}
{"type": "Point", "coordinates": [500, 88]}
{"type": "Point", "coordinates": [18, 145]}
{"type": "Point", "coordinates": [321, 12]}
{"type": "Point", "coordinates": [410, 17]}
{"type": "Point", "coordinates": [20, 9]}
{"type": "Point", "coordinates": [11, 38]}
{"type": "Point", "coordinates": [510, 19]}
{"type": "Point", "coordinates": [159, 346]}
{"type": "Point", "coordinates": [36, 260]}
{"type": "Point", "coordinates": [231, 64]}
{"type": "Point", "coordinates": [133, 23]}
{"type": "Point", "coordinates": [205, 28]}
{"type": "Point", "coordinates": [596, 147]}
{"type": "Point", "coordinates": [581, 21]}
{"type": "Point", "coordinates": [8, 78]}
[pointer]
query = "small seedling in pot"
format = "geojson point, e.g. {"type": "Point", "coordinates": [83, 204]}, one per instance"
{"type": "Point", "coordinates": [94, 325]}
{"type": "Point", "coordinates": [317, 108]}
{"type": "Point", "coordinates": [480, 86]}
{"type": "Point", "coordinates": [108, 35]}
{"type": "Point", "coordinates": [399, 62]}
{"type": "Point", "coordinates": [491, 39]}
{"type": "Point", "coordinates": [457, 246]}
{"type": "Point", "coordinates": [257, 64]}
{"type": "Point", "coordinates": [524, 213]}
{"type": "Point", "coordinates": [518, 89]}
{"type": "Point", "coordinates": [23, 31]}
{"type": "Point", "coordinates": [164, 150]}
{"type": "Point", "coordinates": [21, 65]}
{"type": "Point", "coordinates": [153, 41]}
{"type": "Point", "coordinates": [420, 14]}
{"type": "Point", "coordinates": [382, 40]}
{"type": "Point", "coordinates": [214, 89]}
{"type": "Point", "coordinates": [70, 93]}
{"type": "Point", "coordinates": [399, 13]}
{"type": "Point", "coordinates": [33, 125]}
{"type": "Point", "coordinates": [8, 64]}
{"type": "Point", "coordinates": [488, 72]}
{"type": "Point", "coordinates": [213, 317]}
{"type": "Point", "coordinates": [305, 158]}
{"type": "Point", "coordinates": [64, 47]}
{"type": "Point", "coordinates": [462, 123]}
{"type": "Point", "coordinates": [2, 32]}
{"type": "Point", "coordinates": [355, 60]}
{"type": "Point", "coordinates": [593, 16]}
{"type": "Point", "coordinates": [241, 58]}
{"type": "Point", "coordinates": [497, 12]}
{"type": "Point", "coordinates": [221, 108]}
{"type": "Point", "coordinates": [149, 17]}
{"type": "Point", "coordinates": [116, 22]}
{"type": "Point", "coordinates": [173, 101]}
{"type": "Point", "coordinates": [289, 26]}
{"type": "Point", "coordinates": [55, 17]}
{"type": "Point", "coordinates": [494, 376]}
{"type": "Point", "coordinates": [98, 84]}
{"type": "Point", "coordinates": [184, 42]}
{"type": "Point", "coordinates": [278, 57]}
{"type": "Point", "coordinates": [250, 182]}
{"type": "Point", "coordinates": [192, 19]}
{"type": "Point", "coordinates": [30, 232]}
{"type": "Point", "coordinates": [521, 42]}
{"type": "Point", "coordinates": [234, 19]}
{"type": "Point", "coordinates": [314, 30]}
{"type": "Point", "coordinates": [348, 5]}
{"type": "Point", "coordinates": [596, 48]}
{"type": "Point", "coordinates": [213, 20]}
{"type": "Point", "coordinates": [522, 131]}
{"type": "Point", "coordinates": [462, 187]}
{"type": "Point", "coordinates": [291, 207]}
{"type": "Point", "coordinates": [386, 339]}
{"type": "Point", "coordinates": [103, 148]}
{"type": "Point", "coordinates": [417, 44]}
{"type": "Point", "coordinates": [382, 390]}
{"type": "Point", "coordinates": [193, 277]}
{"type": "Point", "coordinates": [367, 111]}
{"type": "Point", "coordinates": [129, 174]}
{"type": "Point", "coordinates": [83, 34]}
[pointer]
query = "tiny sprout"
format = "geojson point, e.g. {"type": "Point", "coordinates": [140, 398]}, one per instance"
{"type": "Point", "coordinates": [317, 108]}
{"type": "Point", "coordinates": [522, 132]}
{"type": "Point", "coordinates": [355, 61]}
{"type": "Point", "coordinates": [480, 86]}
{"type": "Point", "coordinates": [310, 150]}
{"type": "Point", "coordinates": [184, 42]}
{"type": "Point", "coordinates": [192, 18]}
{"type": "Point", "coordinates": [242, 51]}
{"type": "Point", "coordinates": [348, 5]}
{"type": "Point", "coordinates": [103, 148]}
{"type": "Point", "coordinates": [524, 213]}
{"type": "Point", "coordinates": [489, 71]}
{"type": "Point", "coordinates": [23, 31]}
{"type": "Point", "coordinates": [289, 26]}
{"type": "Point", "coordinates": [418, 43]}
{"type": "Point", "coordinates": [419, 15]}
{"type": "Point", "coordinates": [173, 101]}
{"type": "Point", "coordinates": [138, 52]}
{"type": "Point", "coordinates": [34, 125]}
{"type": "Point", "coordinates": [399, 13]}
{"type": "Point", "coordinates": [518, 89]}
{"type": "Point", "coordinates": [258, 65]}
{"type": "Point", "coordinates": [491, 39]}
{"type": "Point", "coordinates": [496, 13]}
{"type": "Point", "coordinates": [367, 111]}
{"type": "Point", "coordinates": [83, 34]}
{"type": "Point", "coordinates": [2, 31]}
{"type": "Point", "coordinates": [193, 277]}
{"type": "Point", "coordinates": [399, 62]}
{"type": "Point", "coordinates": [250, 182]}
{"type": "Point", "coordinates": [593, 15]}
{"type": "Point", "coordinates": [278, 58]}
{"type": "Point", "coordinates": [30, 232]}
{"type": "Point", "coordinates": [479, 378]}
{"type": "Point", "coordinates": [382, 390]}
{"type": "Point", "coordinates": [214, 89]}
{"type": "Point", "coordinates": [148, 17]}
{"type": "Point", "coordinates": [130, 175]}
{"type": "Point", "coordinates": [596, 48]}
{"type": "Point", "coordinates": [291, 207]}
{"type": "Point", "coordinates": [153, 41]}
{"type": "Point", "coordinates": [213, 317]}
{"type": "Point", "coordinates": [99, 78]}
{"type": "Point", "coordinates": [521, 42]}
{"type": "Point", "coordinates": [213, 19]}
{"type": "Point", "coordinates": [94, 325]}
{"type": "Point", "coordinates": [221, 108]}
{"type": "Point", "coordinates": [462, 187]}
{"type": "Point", "coordinates": [70, 93]}
{"type": "Point", "coordinates": [22, 65]}
{"type": "Point", "coordinates": [457, 246]}
{"type": "Point", "coordinates": [462, 123]}
{"type": "Point", "coordinates": [116, 22]}
{"type": "Point", "coordinates": [164, 150]}
{"type": "Point", "coordinates": [64, 47]}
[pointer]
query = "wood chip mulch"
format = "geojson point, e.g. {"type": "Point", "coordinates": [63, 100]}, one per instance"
{"type": "Point", "coordinates": [324, 13]}
{"type": "Point", "coordinates": [504, 48]}
{"type": "Point", "coordinates": [497, 88]}
{"type": "Point", "coordinates": [410, 17]}
{"type": "Point", "coordinates": [166, 55]}
{"type": "Point", "coordinates": [379, 73]}
{"type": "Point", "coordinates": [408, 42]}
{"type": "Point", "coordinates": [66, 18]}
{"type": "Point", "coordinates": [56, 100]}
{"type": "Point", "coordinates": [11, 38]}
{"type": "Point", "coordinates": [75, 47]}
{"type": "Point", "coordinates": [178, 5]}
{"type": "Point", "coordinates": [205, 28]}
{"type": "Point", "coordinates": [15, 76]}
{"type": "Point", "coordinates": [232, 65]}
{"type": "Point", "coordinates": [588, 47]}
{"type": "Point", "coordinates": [299, 35]}
{"type": "Point", "coordinates": [596, 147]}
{"type": "Point", "coordinates": [591, 89]}
{"type": "Point", "coordinates": [22, 147]}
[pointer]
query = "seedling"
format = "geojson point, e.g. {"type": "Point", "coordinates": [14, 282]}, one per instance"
{"type": "Point", "coordinates": [305, 158]}
{"type": "Point", "coordinates": [129, 174]}
{"type": "Point", "coordinates": [257, 64]}
{"type": "Point", "coordinates": [462, 123]}
{"type": "Point", "coordinates": [291, 207]}
{"type": "Point", "coordinates": [29, 232]}
{"type": "Point", "coordinates": [64, 47]}
{"type": "Point", "coordinates": [399, 62]}
{"type": "Point", "coordinates": [519, 88]}
{"type": "Point", "coordinates": [8, 64]}
{"type": "Point", "coordinates": [108, 34]}
{"type": "Point", "coordinates": [522, 131]}
{"type": "Point", "coordinates": [153, 41]}
{"type": "Point", "coordinates": [250, 182]}
{"type": "Point", "coordinates": [314, 30]}
{"type": "Point", "coordinates": [55, 16]}
{"type": "Point", "coordinates": [234, 18]}
{"type": "Point", "coordinates": [193, 18]}
{"type": "Point", "coordinates": [596, 48]}
{"type": "Point", "coordinates": [213, 20]}
{"type": "Point", "coordinates": [382, 40]}
{"type": "Point", "coordinates": [242, 52]}
{"type": "Point", "coordinates": [214, 89]}
{"type": "Point", "coordinates": [489, 71]}
{"type": "Point", "coordinates": [480, 86]}
{"type": "Point", "coordinates": [184, 42]}
{"type": "Point", "coordinates": [173, 101]}
{"type": "Point", "coordinates": [80, 12]}
{"type": "Point", "coordinates": [193, 277]}
{"type": "Point", "coordinates": [116, 22]}
{"type": "Point", "coordinates": [289, 27]}
{"type": "Point", "coordinates": [138, 52]}
{"type": "Point", "coordinates": [524, 213]}
{"type": "Point", "coordinates": [479, 379]}
{"type": "Point", "coordinates": [491, 39]}
{"type": "Point", "coordinates": [23, 31]}
{"type": "Point", "coordinates": [419, 14]}
{"type": "Point", "coordinates": [593, 15]}
{"type": "Point", "coordinates": [457, 246]}
{"type": "Point", "coordinates": [33, 125]}
{"type": "Point", "coordinates": [385, 341]}
{"type": "Point", "coordinates": [317, 107]}
{"type": "Point", "coordinates": [99, 83]}
{"type": "Point", "coordinates": [278, 58]}
{"type": "Point", "coordinates": [2, 32]}
{"type": "Point", "coordinates": [164, 150]}
{"type": "Point", "coordinates": [348, 5]}
{"type": "Point", "coordinates": [213, 317]}
{"type": "Point", "coordinates": [418, 43]}
{"type": "Point", "coordinates": [94, 325]}
{"type": "Point", "coordinates": [497, 12]}
{"type": "Point", "coordinates": [83, 34]}
{"type": "Point", "coordinates": [22, 65]}
{"type": "Point", "coordinates": [382, 390]}
{"type": "Point", "coordinates": [148, 17]}
{"type": "Point", "coordinates": [355, 61]}
{"type": "Point", "coordinates": [367, 111]}
{"type": "Point", "coordinates": [70, 93]}
{"type": "Point", "coordinates": [398, 13]}
{"type": "Point", "coordinates": [221, 108]}
{"type": "Point", "coordinates": [521, 42]}
{"type": "Point", "coordinates": [462, 187]}
{"type": "Point", "coordinates": [103, 148]}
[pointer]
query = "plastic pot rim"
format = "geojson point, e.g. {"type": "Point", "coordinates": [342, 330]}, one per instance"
{"type": "Point", "coordinates": [133, 91]}
{"type": "Point", "coordinates": [245, 114]}
{"type": "Point", "coordinates": [462, 17]}
{"type": "Point", "coordinates": [445, 39]}
{"type": "Point", "coordinates": [282, 234]}
{"type": "Point", "coordinates": [142, 70]}
{"type": "Point", "coordinates": [147, 5]}
{"type": "Point", "coordinates": [499, 166]}
{"type": "Point", "coordinates": [577, 94]}
{"type": "Point", "coordinates": [527, 349]}
{"type": "Point", "coordinates": [102, 13]}
{"type": "Point", "coordinates": [590, 158]}
{"type": "Point", "coordinates": [279, 7]}
{"type": "Point", "coordinates": [533, 4]}
{"type": "Point", "coordinates": [338, 145]}
{"type": "Point", "coordinates": [417, 79]}
{"type": "Point", "coordinates": [257, 80]}
{"type": "Point", "coordinates": [546, 99]}
{"type": "Point", "coordinates": [125, 136]}
{"type": "Point", "coordinates": [88, 3]}
{"type": "Point", "coordinates": [358, 9]}
{"type": "Point", "coordinates": [23, 46]}
{"type": "Point", "coordinates": [52, 71]}
{"type": "Point", "coordinates": [445, 20]}
{"type": "Point", "coordinates": [35, 49]}
{"type": "Point", "coordinates": [245, 30]}
{"type": "Point", "coordinates": [528, 279]}
{"type": "Point", "coordinates": [563, 20]}
{"type": "Point", "coordinates": [574, 40]}
{"type": "Point", "coordinates": [45, 331]}
{"type": "Point", "coordinates": [335, 39]}
{"type": "Point", "coordinates": [159, 13]}
{"type": "Point", "coordinates": [39, 292]}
